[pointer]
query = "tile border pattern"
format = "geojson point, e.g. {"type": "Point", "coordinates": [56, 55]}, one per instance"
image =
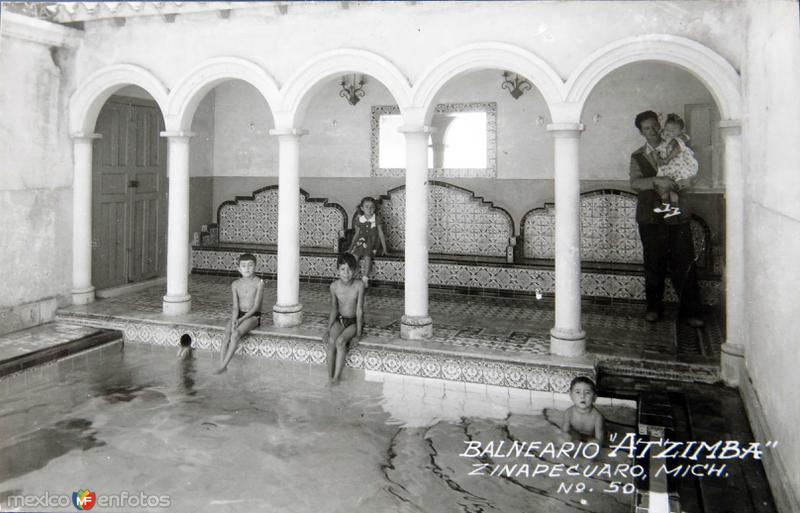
{"type": "Point", "coordinates": [452, 367]}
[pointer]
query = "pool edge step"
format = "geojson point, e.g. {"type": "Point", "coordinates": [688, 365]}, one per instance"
{"type": "Point", "coordinates": [56, 352]}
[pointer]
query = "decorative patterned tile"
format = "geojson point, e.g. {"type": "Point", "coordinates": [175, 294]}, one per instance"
{"type": "Point", "coordinates": [609, 233]}
{"type": "Point", "coordinates": [254, 220]}
{"type": "Point", "coordinates": [459, 222]}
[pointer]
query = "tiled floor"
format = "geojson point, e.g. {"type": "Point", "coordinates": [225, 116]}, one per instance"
{"type": "Point", "coordinates": [616, 332]}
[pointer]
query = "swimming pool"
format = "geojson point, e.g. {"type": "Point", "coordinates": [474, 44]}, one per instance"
{"type": "Point", "coordinates": [272, 435]}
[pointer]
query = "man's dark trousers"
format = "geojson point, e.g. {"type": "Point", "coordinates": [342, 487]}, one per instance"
{"type": "Point", "coordinates": [670, 246]}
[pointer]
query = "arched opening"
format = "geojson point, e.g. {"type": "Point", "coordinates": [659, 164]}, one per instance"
{"type": "Point", "coordinates": [231, 154]}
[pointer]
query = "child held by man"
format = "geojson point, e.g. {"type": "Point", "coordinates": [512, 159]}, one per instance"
{"type": "Point", "coordinates": [246, 309]}
{"type": "Point", "coordinates": [676, 161]}
{"type": "Point", "coordinates": [347, 315]}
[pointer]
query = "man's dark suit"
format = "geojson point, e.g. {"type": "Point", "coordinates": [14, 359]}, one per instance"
{"type": "Point", "coordinates": [663, 241]}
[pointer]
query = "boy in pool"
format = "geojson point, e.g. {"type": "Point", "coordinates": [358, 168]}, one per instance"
{"type": "Point", "coordinates": [246, 312]}
{"type": "Point", "coordinates": [347, 313]}
{"type": "Point", "coordinates": [582, 420]}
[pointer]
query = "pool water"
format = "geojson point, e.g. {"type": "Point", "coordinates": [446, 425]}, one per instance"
{"type": "Point", "coordinates": [275, 436]}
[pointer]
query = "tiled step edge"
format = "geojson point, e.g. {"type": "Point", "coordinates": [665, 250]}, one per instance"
{"type": "Point", "coordinates": [404, 361]}
{"type": "Point", "coordinates": [48, 354]}
{"type": "Point", "coordinates": [657, 493]}
{"type": "Point", "coordinates": [656, 369]}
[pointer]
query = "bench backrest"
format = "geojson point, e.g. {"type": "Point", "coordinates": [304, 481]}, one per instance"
{"type": "Point", "coordinates": [459, 223]}
{"type": "Point", "coordinates": [609, 233]}
{"type": "Point", "coordinates": [254, 220]}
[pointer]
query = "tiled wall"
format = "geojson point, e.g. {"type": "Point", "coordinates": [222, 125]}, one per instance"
{"type": "Point", "coordinates": [254, 220]}
{"type": "Point", "coordinates": [609, 232]}
{"type": "Point", "coordinates": [459, 223]}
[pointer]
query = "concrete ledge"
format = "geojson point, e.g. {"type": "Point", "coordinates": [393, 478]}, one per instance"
{"type": "Point", "coordinates": [774, 466]}
{"type": "Point", "coordinates": [27, 315]}
{"type": "Point", "coordinates": [42, 356]}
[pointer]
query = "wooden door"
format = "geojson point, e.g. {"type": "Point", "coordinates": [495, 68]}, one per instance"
{"type": "Point", "coordinates": [129, 201]}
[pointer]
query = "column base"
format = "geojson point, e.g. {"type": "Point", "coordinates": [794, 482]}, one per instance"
{"type": "Point", "coordinates": [287, 316]}
{"type": "Point", "coordinates": [732, 361]}
{"type": "Point", "coordinates": [416, 327]}
{"type": "Point", "coordinates": [567, 342]}
{"type": "Point", "coordinates": [176, 305]}
{"type": "Point", "coordinates": [83, 296]}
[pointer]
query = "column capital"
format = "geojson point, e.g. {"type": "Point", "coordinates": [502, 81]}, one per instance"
{"type": "Point", "coordinates": [84, 136]}
{"type": "Point", "coordinates": [730, 127]}
{"type": "Point", "coordinates": [179, 134]}
{"type": "Point", "coordinates": [297, 132]}
{"type": "Point", "coordinates": [566, 129]}
{"type": "Point", "coordinates": [416, 129]}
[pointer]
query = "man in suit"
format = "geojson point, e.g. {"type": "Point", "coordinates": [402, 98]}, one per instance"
{"type": "Point", "coordinates": [664, 241]}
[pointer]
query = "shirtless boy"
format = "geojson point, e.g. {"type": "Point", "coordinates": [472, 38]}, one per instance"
{"type": "Point", "coordinates": [582, 420]}
{"type": "Point", "coordinates": [246, 312]}
{"type": "Point", "coordinates": [347, 314]}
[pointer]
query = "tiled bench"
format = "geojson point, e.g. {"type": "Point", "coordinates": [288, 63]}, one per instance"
{"type": "Point", "coordinates": [472, 243]}
{"type": "Point", "coordinates": [611, 250]}
{"type": "Point", "coordinates": [250, 224]}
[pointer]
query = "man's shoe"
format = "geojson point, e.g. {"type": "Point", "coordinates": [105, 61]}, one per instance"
{"type": "Point", "coordinates": [651, 316]}
{"type": "Point", "coordinates": [695, 322]}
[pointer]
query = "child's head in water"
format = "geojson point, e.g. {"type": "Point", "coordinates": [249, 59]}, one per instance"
{"type": "Point", "coordinates": [583, 393]}
{"type": "Point", "coordinates": [673, 127]}
{"type": "Point", "coordinates": [185, 349]}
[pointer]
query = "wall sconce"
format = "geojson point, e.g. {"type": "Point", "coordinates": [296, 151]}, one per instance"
{"type": "Point", "coordinates": [517, 86]}
{"type": "Point", "coordinates": [354, 91]}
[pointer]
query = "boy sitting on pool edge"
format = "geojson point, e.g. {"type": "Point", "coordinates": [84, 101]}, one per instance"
{"type": "Point", "coordinates": [246, 310]}
{"type": "Point", "coordinates": [347, 314]}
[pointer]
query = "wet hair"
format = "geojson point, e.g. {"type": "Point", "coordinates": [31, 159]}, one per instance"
{"type": "Point", "coordinates": [584, 380]}
{"type": "Point", "coordinates": [247, 256]}
{"type": "Point", "coordinates": [346, 258]}
{"type": "Point", "coordinates": [642, 116]}
{"type": "Point", "coordinates": [186, 340]}
{"type": "Point", "coordinates": [674, 119]}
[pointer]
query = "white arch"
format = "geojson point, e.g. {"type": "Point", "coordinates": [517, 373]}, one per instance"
{"type": "Point", "coordinates": [192, 88]}
{"type": "Point", "coordinates": [489, 55]}
{"type": "Point", "coordinates": [299, 90]}
{"type": "Point", "coordinates": [86, 102]}
{"type": "Point", "coordinates": [717, 74]}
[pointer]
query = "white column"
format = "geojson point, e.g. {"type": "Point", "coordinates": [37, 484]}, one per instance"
{"type": "Point", "coordinates": [82, 288]}
{"type": "Point", "coordinates": [178, 301]}
{"type": "Point", "coordinates": [733, 349]}
{"type": "Point", "coordinates": [567, 337]}
{"type": "Point", "coordinates": [416, 324]}
{"type": "Point", "coordinates": [288, 311]}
